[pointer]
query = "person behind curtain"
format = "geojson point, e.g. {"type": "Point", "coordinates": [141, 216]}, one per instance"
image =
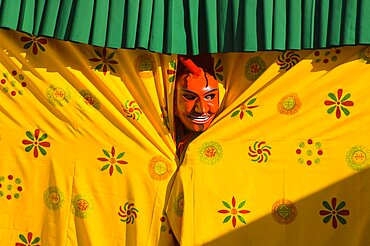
{"type": "Point", "coordinates": [196, 98]}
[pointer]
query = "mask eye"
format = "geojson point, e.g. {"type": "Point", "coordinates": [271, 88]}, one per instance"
{"type": "Point", "coordinates": [189, 97]}
{"type": "Point", "coordinates": [210, 96]}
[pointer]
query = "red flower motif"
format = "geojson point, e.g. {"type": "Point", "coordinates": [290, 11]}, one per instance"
{"type": "Point", "coordinates": [36, 143]}
{"type": "Point", "coordinates": [105, 61]}
{"type": "Point", "coordinates": [35, 42]}
{"type": "Point", "coordinates": [112, 161]}
{"type": "Point", "coordinates": [339, 104]}
{"type": "Point", "coordinates": [28, 241]}
{"type": "Point", "coordinates": [233, 212]}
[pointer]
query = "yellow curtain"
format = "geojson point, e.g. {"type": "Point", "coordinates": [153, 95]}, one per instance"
{"type": "Point", "coordinates": [87, 155]}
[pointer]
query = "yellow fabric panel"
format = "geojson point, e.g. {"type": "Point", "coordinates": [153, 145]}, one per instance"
{"type": "Point", "coordinates": [261, 174]}
{"type": "Point", "coordinates": [106, 156]}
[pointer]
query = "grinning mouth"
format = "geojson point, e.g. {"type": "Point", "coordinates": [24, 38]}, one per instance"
{"type": "Point", "coordinates": [199, 119]}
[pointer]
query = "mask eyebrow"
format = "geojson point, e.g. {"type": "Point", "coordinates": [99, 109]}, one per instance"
{"type": "Point", "coordinates": [189, 91]}
{"type": "Point", "coordinates": [212, 90]}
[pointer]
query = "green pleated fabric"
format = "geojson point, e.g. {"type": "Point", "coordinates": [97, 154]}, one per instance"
{"type": "Point", "coordinates": [192, 26]}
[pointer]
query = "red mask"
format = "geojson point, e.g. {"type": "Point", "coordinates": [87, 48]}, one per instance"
{"type": "Point", "coordinates": [196, 101]}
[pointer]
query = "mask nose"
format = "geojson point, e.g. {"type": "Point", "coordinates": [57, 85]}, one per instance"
{"type": "Point", "coordinates": [201, 106]}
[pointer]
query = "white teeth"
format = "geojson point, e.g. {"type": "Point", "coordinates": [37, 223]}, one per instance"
{"type": "Point", "coordinates": [199, 119]}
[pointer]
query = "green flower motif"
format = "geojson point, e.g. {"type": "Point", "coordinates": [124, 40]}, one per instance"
{"type": "Point", "coordinates": [36, 143]}
{"type": "Point", "coordinates": [334, 213]}
{"type": "Point", "coordinates": [178, 205]}
{"type": "Point", "coordinates": [112, 161]}
{"type": "Point", "coordinates": [29, 241]}
{"type": "Point", "coordinates": [245, 108]}
{"type": "Point", "coordinates": [339, 104]}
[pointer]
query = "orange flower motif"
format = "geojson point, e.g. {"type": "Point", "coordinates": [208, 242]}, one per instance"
{"type": "Point", "coordinates": [234, 212]}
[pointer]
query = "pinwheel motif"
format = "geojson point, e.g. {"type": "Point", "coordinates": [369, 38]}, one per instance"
{"type": "Point", "coordinates": [132, 110]}
{"type": "Point", "coordinates": [259, 152]}
{"type": "Point", "coordinates": [287, 60]}
{"type": "Point", "coordinates": [234, 212]}
{"type": "Point", "coordinates": [36, 143]}
{"type": "Point", "coordinates": [339, 104]}
{"type": "Point", "coordinates": [334, 213]}
{"type": "Point", "coordinates": [128, 213]}
{"type": "Point", "coordinates": [29, 241]}
{"type": "Point", "coordinates": [112, 161]}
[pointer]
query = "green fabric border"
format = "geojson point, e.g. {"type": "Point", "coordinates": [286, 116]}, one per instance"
{"type": "Point", "coordinates": [192, 26]}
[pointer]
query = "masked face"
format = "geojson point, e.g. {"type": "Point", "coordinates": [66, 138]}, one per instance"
{"type": "Point", "coordinates": [196, 101]}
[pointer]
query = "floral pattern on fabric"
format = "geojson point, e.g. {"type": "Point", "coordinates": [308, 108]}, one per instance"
{"type": "Point", "coordinates": [159, 168]}
{"type": "Point", "coordinates": [128, 213]}
{"type": "Point", "coordinates": [339, 103]}
{"type": "Point", "coordinates": [11, 85]}
{"type": "Point", "coordinates": [82, 206]}
{"type": "Point", "coordinates": [259, 152]}
{"type": "Point", "coordinates": [245, 108]}
{"type": "Point", "coordinates": [105, 60]}
{"type": "Point", "coordinates": [310, 152]}
{"type": "Point", "coordinates": [29, 241]}
{"type": "Point", "coordinates": [210, 153]}
{"type": "Point", "coordinates": [334, 212]}
{"type": "Point", "coordinates": [284, 211]}
{"type": "Point", "coordinates": [54, 198]}
{"type": "Point", "coordinates": [254, 68]}
{"type": "Point", "coordinates": [132, 110]}
{"type": "Point", "coordinates": [58, 94]}
{"type": "Point", "coordinates": [10, 187]}
{"type": "Point", "coordinates": [289, 104]}
{"type": "Point", "coordinates": [234, 212]}
{"type": "Point", "coordinates": [35, 42]}
{"type": "Point", "coordinates": [178, 205]}
{"type": "Point", "coordinates": [365, 55]}
{"type": "Point", "coordinates": [218, 70]}
{"type": "Point", "coordinates": [171, 71]}
{"type": "Point", "coordinates": [88, 101]}
{"type": "Point", "coordinates": [36, 143]}
{"type": "Point", "coordinates": [113, 162]}
{"type": "Point", "coordinates": [325, 56]}
{"type": "Point", "coordinates": [287, 60]}
{"type": "Point", "coordinates": [145, 66]}
{"type": "Point", "coordinates": [357, 158]}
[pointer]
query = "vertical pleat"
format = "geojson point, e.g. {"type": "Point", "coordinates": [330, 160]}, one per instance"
{"type": "Point", "coordinates": [308, 23]}
{"type": "Point", "coordinates": [335, 14]}
{"type": "Point", "coordinates": [130, 23]}
{"type": "Point", "coordinates": [99, 28]}
{"type": "Point", "coordinates": [321, 24]}
{"type": "Point", "coordinates": [143, 29]}
{"type": "Point", "coordinates": [294, 27]}
{"type": "Point", "coordinates": [157, 26]}
{"type": "Point", "coordinates": [363, 31]}
{"type": "Point", "coordinates": [349, 22]}
{"type": "Point", "coordinates": [82, 20]}
{"type": "Point", "coordinates": [65, 16]}
{"type": "Point", "coordinates": [115, 23]}
{"type": "Point", "coordinates": [279, 25]}
{"type": "Point", "coordinates": [9, 14]}
{"type": "Point", "coordinates": [49, 18]}
{"type": "Point", "coordinates": [251, 41]}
